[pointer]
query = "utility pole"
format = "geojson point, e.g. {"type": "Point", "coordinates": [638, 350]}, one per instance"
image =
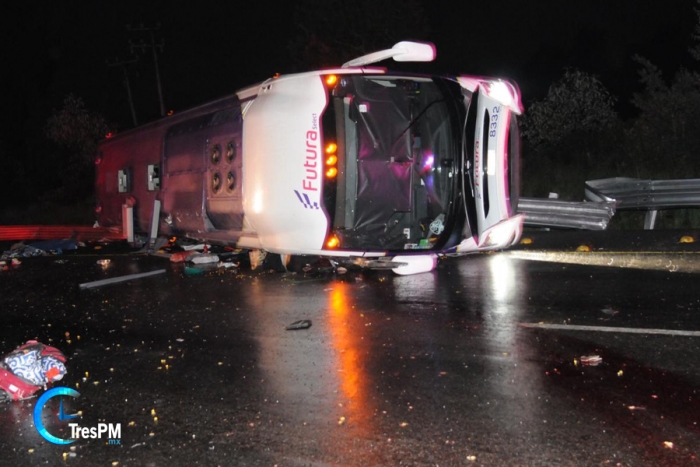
{"type": "Point", "coordinates": [154, 48]}
{"type": "Point", "coordinates": [127, 85]}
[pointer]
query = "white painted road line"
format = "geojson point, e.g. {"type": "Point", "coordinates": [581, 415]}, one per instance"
{"type": "Point", "coordinates": [114, 280]}
{"type": "Point", "coordinates": [659, 261]}
{"type": "Point", "coordinates": [573, 327]}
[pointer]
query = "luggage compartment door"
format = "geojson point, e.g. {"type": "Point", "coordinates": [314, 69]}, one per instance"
{"type": "Point", "coordinates": [202, 173]}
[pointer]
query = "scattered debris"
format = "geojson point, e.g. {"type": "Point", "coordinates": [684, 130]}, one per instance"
{"type": "Point", "coordinates": [114, 280]}
{"type": "Point", "coordinates": [28, 368]}
{"type": "Point", "coordinates": [256, 258]}
{"type": "Point", "coordinates": [197, 247]}
{"type": "Point", "coordinates": [55, 247]}
{"type": "Point", "coordinates": [686, 239]}
{"type": "Point", "coordinates": [181, 256]}
{"type": "Point", "coordinates": [203, 258]}
{"type": "Point", "coordinates": [190, 271]}
{"type": "Point", "coordinates": [584, 248]}
{"type": "Point", "coordinates": [609, 310]}
{"type": "Point", "coordinates": [104, 262]}
{"type": "Point", "coordinates": [668, 444]}
{"type": "Point", "coordinates": [301, 324]}
{"type": "Point", "coordinates": [20, 250]}
{"type": "Point", "coordinates": [591, 360]}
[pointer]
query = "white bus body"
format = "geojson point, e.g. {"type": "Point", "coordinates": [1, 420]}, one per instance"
{"type": "Point", "coordinates": [360, 164]}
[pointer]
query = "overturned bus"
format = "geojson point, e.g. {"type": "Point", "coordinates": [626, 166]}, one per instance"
{"type": "Point", "coordinates": [359, 164]}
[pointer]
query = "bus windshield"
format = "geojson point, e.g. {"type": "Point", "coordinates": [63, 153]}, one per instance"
{"type": "Point", "coordinates": [399, 152]}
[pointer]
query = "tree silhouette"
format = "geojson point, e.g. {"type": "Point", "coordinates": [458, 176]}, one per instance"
{"type": "Point", "coordinates": [577, 103]}
{"type": "Point", "coordinates": [76, 131]}
{"type": "Point", "coordinates": [695, 48]}
{"type": "Point", "coordinates": [570, 135]}
{"type": "Point", "coordinates": [662, 142]}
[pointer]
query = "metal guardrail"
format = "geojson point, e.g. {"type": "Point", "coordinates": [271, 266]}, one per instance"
{"type": "Point", "coordinates": [645, 195]}
{"type": "Point", "coordinates": [633, 193]}
{"type": "Point", "coordinates": [544, 212]}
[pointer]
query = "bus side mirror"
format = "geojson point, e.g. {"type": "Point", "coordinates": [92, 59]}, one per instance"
{"type": "Point", "coordinates": [414, 52]}
{"type": "Point", "coordinates": [404, 51]}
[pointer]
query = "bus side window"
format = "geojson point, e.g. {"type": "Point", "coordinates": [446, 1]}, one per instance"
{"type": "Point", "coordinates": [124, 181]}
{"type": "Point", "coordinates": [153, 177]}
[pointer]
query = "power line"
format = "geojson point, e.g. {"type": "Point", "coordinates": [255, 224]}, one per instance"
{"type": "Point", "coordinates": [127, 85]}
{"type": "Point", "coordinates": [154, 49]}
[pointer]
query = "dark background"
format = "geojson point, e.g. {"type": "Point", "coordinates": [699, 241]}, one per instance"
{"type": "Point", "coordinates": [52, 49]}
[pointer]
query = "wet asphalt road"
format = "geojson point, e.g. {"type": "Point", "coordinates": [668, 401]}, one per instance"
{"type": "Point", "coordinates": [432, 369]}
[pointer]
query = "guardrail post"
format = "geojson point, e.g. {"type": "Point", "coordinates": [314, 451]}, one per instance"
{"type": "Point", "coordinates": [650, 219]}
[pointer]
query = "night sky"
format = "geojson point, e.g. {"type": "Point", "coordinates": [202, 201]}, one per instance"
{"type": "Point", "coordinates": [211, 49]}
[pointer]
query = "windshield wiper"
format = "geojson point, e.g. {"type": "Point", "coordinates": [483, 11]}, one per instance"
{"type": "Point", "coordinates": [416, 118]}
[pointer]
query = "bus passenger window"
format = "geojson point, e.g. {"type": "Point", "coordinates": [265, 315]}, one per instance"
{"type": "Point", "coordinates": [153, 177]}
{"type": "Point", "coordinates": [124, 181]}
